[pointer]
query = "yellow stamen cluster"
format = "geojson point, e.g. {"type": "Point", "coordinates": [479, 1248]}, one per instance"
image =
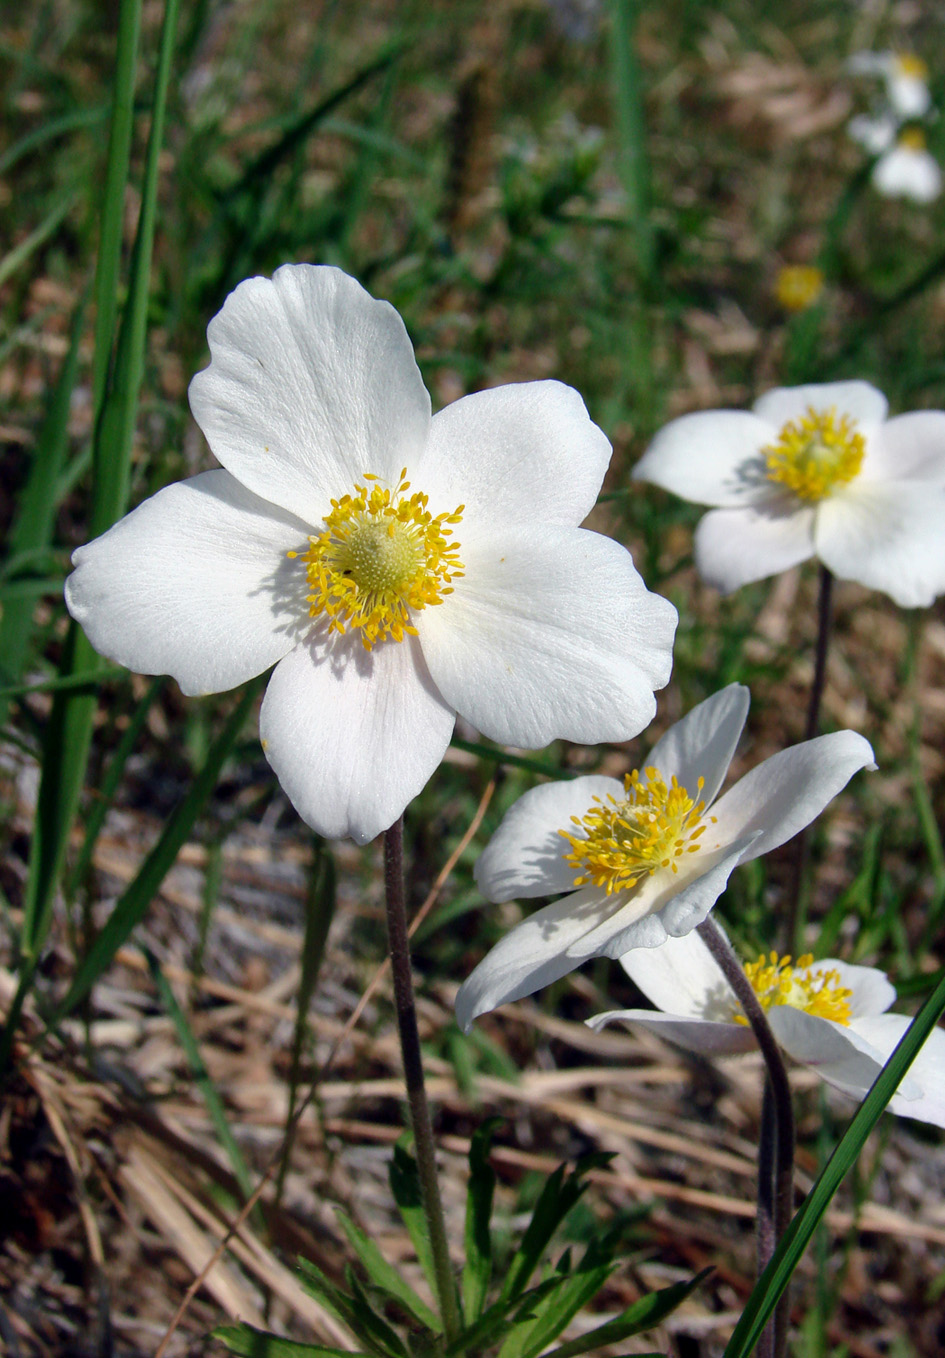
{"type": "Point", "coordinates": [650, 828]}
{"type": "Point", "coordinates": [816, 453]}
{"type": "Point", "coordinates": [805, 986]}
{"type": "Point", "coordinates": [910, 66]}
{"type": "Point", "coordinates": [911, 139]}
{"type": "Point", "coordinates": [379, 556]}
{"type": "Point", "coordinates": [798, 286]}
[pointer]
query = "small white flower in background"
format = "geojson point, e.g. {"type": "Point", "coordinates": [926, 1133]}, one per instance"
{"type": "Point", "coordinates": [905, 77]}
{"type": "Point", "coordinates": [395, 568]}
{"type": "Point", "coordinates": [873, 134]}
{"type": "Point", "coordinates": [813, 471]}
{"type": "Point", "coordinates": [645, 859]}
{"type": "Point", "coordinates": [907, 170]}
{"type": "Point", "coordinates": [828, 1015]}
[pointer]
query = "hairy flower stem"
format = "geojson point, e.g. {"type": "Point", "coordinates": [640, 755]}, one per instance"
{"type": "Point", "coordinates": [413, 1075]}
{"type": "Point", "coordinates": [775, 1162]}
{"type": "Point", "coordinates": [796, 902]}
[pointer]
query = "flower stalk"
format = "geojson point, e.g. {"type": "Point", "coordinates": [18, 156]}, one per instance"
{"type": "Point", "coordinates": [413, 1075]}
{"type": "Point", "coordinates": [775, 1162]}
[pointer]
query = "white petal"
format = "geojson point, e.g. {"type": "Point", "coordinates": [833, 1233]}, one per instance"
{"type": "Point", "coordinates": [525, 856]}
{"type": "Point", "coordinates": [870, 63]}
{"type": "Point", "coordinates": [352, 735]}
{"type": "Point", "coordinates": [872, 992]}
{"type": "Point", "coordinates": [713, 457]}
{"type": "Point", "coordinates": [905, 173]}
{"type": "Point", "coordinates": [789, 790]}
{"type": "Point", "coordinates": [922, 1094]}
{"type": "Point", "coordinates": [908, 448]}
{"type": "Point", "coordinates": [859, 400]}
{"type": "Point", "coordinates": [196, 583]}
{"type": "Point", "coordinates": [551, 635]}
{"type": "Point", "coordinates": [665, 905]}
{"type": "Point", "coordinates": [873, 134]}
{"type": "Point", "coordinates": [888, 536]}
{"type": "Point", "coordinates": [312, 383]}
{"type": "Point", "coordinates": [681, 977]}
{"type": "Point", "coordinates": [702, 1036]}
{"type": "Point", "coordinates": [527, 450]}
{"type": "Point", "coordinates": [736, 546]}
{"type": "Point", "coordinates": [531, 955]}
{"type": "Point", "coordinates": [840, 1055]}
{"type": "Point", "coordinates": [703, 742]}
{"type": "Point", "coordinates": [909, 96]}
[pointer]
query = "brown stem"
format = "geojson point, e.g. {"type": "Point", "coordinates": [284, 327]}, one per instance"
{"type": "Point", "coordinates": [781, 1155]}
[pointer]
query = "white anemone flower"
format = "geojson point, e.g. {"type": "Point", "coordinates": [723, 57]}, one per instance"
{"type": "Point", "coordinates": [908, 170]}
{"type": "Point", "coordinates": [812, 471]}
{"type": "Point", "coordinates": [395, 568]}
{"type": "Point", "coordinates": [645, 859]}
{"type": "Point", "coordinates": [905, 76]}
{"type": "Point", "coordinates": [828, 1015]}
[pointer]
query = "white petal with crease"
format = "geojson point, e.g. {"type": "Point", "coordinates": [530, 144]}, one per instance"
{"type": "Point", "coordinates": [695, 1035]}
{"type": "Point", "coordinates": [887, 535]}
{"type": "Point", "coordinates": [551, 635]}
{"type": "Point", "coordinates": [312, 383]}
{"type": "Point", "coordinates": [712, 458]}
{"type": "Point", "coordinates": [525, 856]}
{"type": "Point", "coordinates": [195, 583]}
{"type": "Point", "coordinates": [702, 743]}
{"type": "Point", "coordinates": [525, 451]}
{"type": "Point", "coordinates": [737, 546]}
{"type": "Point", "coordinates": [352, 735]}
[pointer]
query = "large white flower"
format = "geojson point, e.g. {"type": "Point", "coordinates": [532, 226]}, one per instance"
{"type": "Point", "coordinates": [813, 471]}
{"type": "Point", "coordinates": [906, 78]}
{"type": "Point", "coordinates": [395, 568]}
{"type": "Point", "coordinates": [828, 1015]}
{"type": "Point", "coordinates": [645, 859]}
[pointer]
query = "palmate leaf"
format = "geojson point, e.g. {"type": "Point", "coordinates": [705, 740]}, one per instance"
{"type": "Point", "coordinates": [385, 1277]}
{"type": "Point", "coordinates": [559, 1195]}
{"type": "Point", "coordinates": [354, 1310]}
{"type": "Point", "coordinates": [642, 1315]}
{"type": "Point", "coordinates": [477, 1269]}
{"type": "Point", "coordinates": [252, 1343]}
{"type": "Point", "coordinates": [405, 1186]}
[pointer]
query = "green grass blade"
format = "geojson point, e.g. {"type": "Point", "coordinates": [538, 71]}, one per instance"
{"type": "Point", "coordinates": [770, 1286]}
{"type": "Point", "coordinates": [13, 261]}
{"type": "Point", "coordinates": [631, 128]}
{"type": "Point", "coordinates": [208, 1090]}
{"type": "Point", "coordinates": [108, 271]}
{"type": "Point", "coordinates": [644, 1314]}
{"type": "Point", "coordinates": [405, 1186]}
{"type": "Point", "coordinates": [252, 1343]}
{"type": "Point", "coordinates": [134, 901]}
{"type": "Point", "coordinates": [385, 1276]}
{"type": "Point", "coordinates": [477, 1269]}
{"type": "Point", "coordinates": [90, 679]}
{"type": "Point", "coordinates": [56, 127]}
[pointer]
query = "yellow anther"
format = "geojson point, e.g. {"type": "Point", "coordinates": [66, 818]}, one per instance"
{"type": "Point", "coordinates": [798, 286]}
{"type": "Point", "coordinates": [380, 556]}
{"type": "Point", "coordinates": [651, 827]}
{"type": "Point", "coordinates": [816, 453]}
{"type": "Point", "coordinates": [816, 990]}
{"type": "Point", "coordinates": [911, 139]}
{"type": "Point", "coordinates": [910, 66]}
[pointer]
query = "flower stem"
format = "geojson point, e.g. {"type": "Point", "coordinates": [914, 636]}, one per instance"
{"type": "Point", "coordinates": [778, 1126]}
{"type": "Point", "coordinates": [796, 902]}
{"type": "Point", "coordinates": [413, 1075]}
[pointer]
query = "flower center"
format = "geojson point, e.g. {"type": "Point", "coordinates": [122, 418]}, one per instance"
{"type": "Point", "coordinates": [912, 139]}
{"type": "Point", "coordinates": [380, 556]}
{"type": "Point", "coordinates": [815, 454]}
{"type": "Point", "coordinates": [804, 986]}
{"type": "Point", "coordinates": [798, 285]}
{"type": "Point", "coordinates": [650, 828]}
{"type": "Point", "coordinates": [912, 67]}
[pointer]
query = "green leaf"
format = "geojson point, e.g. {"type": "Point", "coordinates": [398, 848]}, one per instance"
{"type": "Point", "coordinates": [767, 1291]}
{"type": "Point", "coordinates": [385, 1276]}
{"type": "Point", "coordinates": [354, 1310]}
{"type": "Point", "coordinates": [558, 1196]}
{"type": "Point", "coordinates": [252, 1343]}
{"type": "Point", "coordinates": [405, 1186]}
{"type": "Point", "coordinates": [560, 1307]}
{"type": "Point", "coordinates": [500, 1317]}
{"type": "Point", "coordinates": [642, 1315]}
{"type": "Point", "coordinates": [477, 1269]}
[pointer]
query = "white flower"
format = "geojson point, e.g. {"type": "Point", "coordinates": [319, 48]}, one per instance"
{"type": "Point", "coordinates": [813, 471]}
{"type": "Point", "coordinates": [906, 79]}
{"type": "Point", "coordinates": [828, 1015]}
{"type": "Point", "coordinates": [907, 170]}
{"type": "Point", "coordinates": [646, 859]}
{"type": "Point", "coordinates": [873, 134]}
{"type": "Point", "coordinates": [395, 568]}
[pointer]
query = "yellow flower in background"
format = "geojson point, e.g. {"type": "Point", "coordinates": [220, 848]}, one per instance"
{"type": "Point", "coordinates": [798, 286]}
